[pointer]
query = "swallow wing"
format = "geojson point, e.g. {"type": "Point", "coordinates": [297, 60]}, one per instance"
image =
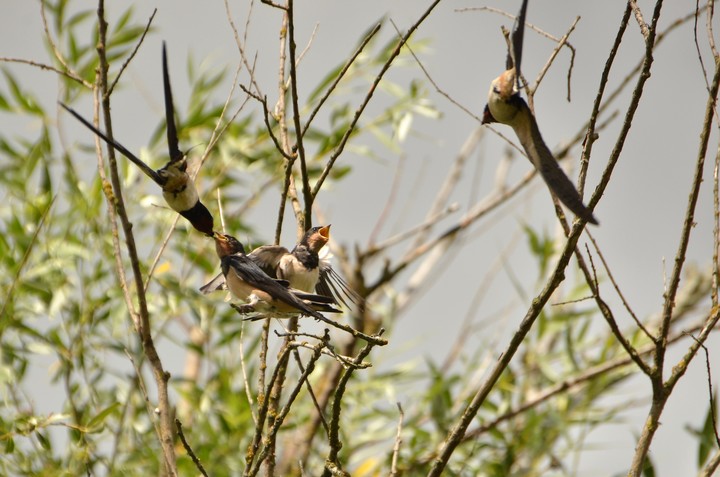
{"type": "Point", "coordinates": [247, 271]}
{"type": "Point", "coordinates": [548, 167]}
{"type": "Point", "coordinates": [514, 57]}
{"type": "Point", "coordinates": [217, 283]}
{"type": "Point", "coordinates": [332, 284]}
{"type": "Point", "coordinates": [268, 257]}
{"type": "Point", "coordinates": [118, 147]}
{"type": "Point", "coordinates": [172, 138]}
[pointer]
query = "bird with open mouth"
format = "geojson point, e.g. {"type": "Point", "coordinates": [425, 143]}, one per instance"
{"type": "Point", "coordinates": [248, 282]}
{"type": "Point", "coordinates": [302, 267]}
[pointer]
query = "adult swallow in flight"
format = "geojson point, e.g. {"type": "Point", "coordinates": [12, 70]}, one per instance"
{"type": "Point", "coordinates": [248, 282]}
{"type": "Point", "coordinates": [301, 267]}
{"type": "Point", "coordinates": [177, 187]}
{"type": "Point", "coordinates": [506, 106]}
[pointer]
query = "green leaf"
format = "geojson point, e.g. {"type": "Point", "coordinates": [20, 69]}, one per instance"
{"type": "Point", "coordinates": [648, 467]}
{"type": "Point", "coordinates": [99, 419]}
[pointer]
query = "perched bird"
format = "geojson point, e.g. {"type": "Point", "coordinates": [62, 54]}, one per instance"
{"type": "Point", "coordinates": [506, 106]}
{"type": "Point", "coordinates": [248, 282]}
{"type": "Point", "coordinates": [178, 189]}
{"type": "Point", "coordinates": [301, 267]}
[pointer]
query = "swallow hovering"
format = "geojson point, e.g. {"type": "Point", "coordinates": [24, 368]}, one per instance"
{"type": "Point", "coordinates": [301, 267]}
{"type": "Point", "coordinates": [250, 283]}
{"type": "Point", "coordinates": [178, 189]}
{"type": "Point", "coordinates": [506, 106]}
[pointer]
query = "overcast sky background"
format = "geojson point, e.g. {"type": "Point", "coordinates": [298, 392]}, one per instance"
{"type": "Point", "coordinates": [639, 214]}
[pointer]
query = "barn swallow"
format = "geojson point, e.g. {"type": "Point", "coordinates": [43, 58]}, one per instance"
{"type": "Point", "coordinates": [177, 187]}
{"type": "Point", "coordinates": [248, 282]}
{"type": "Point", "coordinates": [301, 267]}
{"type": "Point", "coordinates": [506, 106]}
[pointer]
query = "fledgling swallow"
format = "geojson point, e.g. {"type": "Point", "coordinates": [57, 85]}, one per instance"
{"type": "Point", "coordinates": [506, 106]}
{"type": "Point", "coordinates": [301, 267]}
{"type": "Point", "coordinates": [248, 282]}
{"type": "Point", "coordinates": [178, 188]}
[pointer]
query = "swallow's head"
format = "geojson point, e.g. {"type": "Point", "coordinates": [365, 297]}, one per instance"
{"type": "Point", "coordinates": [501, 107]}
{"type": "Point", "coordinates": [174, 177]}
{"type": "Point", "coordinates": [227, 245]}
{"type": "Point", "coordinates": [316, 238]}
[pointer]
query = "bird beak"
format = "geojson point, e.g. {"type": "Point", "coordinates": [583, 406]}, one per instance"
{"type": "Point", "coordinates": [325, 232]}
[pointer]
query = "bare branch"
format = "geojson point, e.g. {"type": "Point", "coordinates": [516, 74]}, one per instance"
{"type": "Point", "coordinates": [340, 76]}
{"type": "Point", "coordinates": [68, 74]}
{"type": "Point", "coordinates": [188, 449]}
{"type": "Point", "coordinates": [639, 17]}
{"type": "Point", "coordinates": [341, 146]}
{"type": "Point", "coordinates": [398, 441]}
{"type": "Point", "coordinates": [132, 54]}
{"type": "Point", "coordinates": [144, 330]}
{"type": "Point", "coordinates": [617, 288]}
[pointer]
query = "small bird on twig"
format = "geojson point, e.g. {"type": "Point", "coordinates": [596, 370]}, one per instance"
{"type": "Point", "coordinates": [506, 106]}
{"type": "Point", "coordinates": [302, 268]}
{"type": "Point", "coordinates": [250, 283]}
{"type": "Point", "coordinates": [177, 187]}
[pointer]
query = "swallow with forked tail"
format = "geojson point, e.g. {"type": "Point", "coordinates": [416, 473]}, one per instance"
{"type": "Point", "coordinates": [248, 282]}
{"type": "Point", "coordinates": [177, 187]}
{"type": "Point", "coordinates": [506, 106]}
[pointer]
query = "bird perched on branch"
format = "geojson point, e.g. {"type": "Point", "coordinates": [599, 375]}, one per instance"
{"type": "Point", "coordinates": [302, 268]}
{"type": "Point", "coordinates": [248, 282]}
{"type": "Point", "coordinates": [506, 106]}
{"type": "Point", "coordinates": [177, 187]}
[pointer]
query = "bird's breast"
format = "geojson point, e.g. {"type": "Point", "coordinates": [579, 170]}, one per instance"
{"type": "Point", "coordinates": [179, 191]}
{"type": "Point", "coordinates": [238, 287]}
{"type": "Point", "coordinates": [292, 270]}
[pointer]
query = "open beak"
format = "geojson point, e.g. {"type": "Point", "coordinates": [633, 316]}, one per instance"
{"type": "Point", "coordinates": [325, 232]}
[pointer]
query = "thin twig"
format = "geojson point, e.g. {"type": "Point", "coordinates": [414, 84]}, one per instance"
{"type": "Point", "coordinates": [23, 261]}
{"type": "Point", "coordinates": [340, 76]}
{"type": "Point", "coordinates": [567, 385]}
{"type": "Point", "coordinates": [68, 74]}
{"type": "Point", "coordinates": [243, 369]}
{"type": "Point", "coordinates": [454, 437]}
{"type": "Point", "coordinates": [591, 280]}
{"type": "Point", "coordinates": [56, 51]}
{"type": "Point", "coordinates": [398, 441]}
{"type": "Point", "coordinates": [356, 117]}
{"type": "Point", "coordinates": [617, 288]}
{"type": "Point", "coordinates": [308, 198]}
{"type": "Point", "coordinates": [144, 331]}
{"type": "Point", "coordinates": [639, 17]}
{"type": "Point", "coordinates": [311, 392]}
{"type": "Point", "coordinates": [280, 417]}
{"type": "Point", "coordinates": [432, 81]}
{"type": "Point", "coordinates": [711, 396]}
{"type": "Point", "coordinates": [562, 42]}
{"type": "Point", "coordinates": [332, 461]}
{"type": "Point", "coordinates": [188, 449]}
{"type": "Point", "coordinates": [241, 44]}
{"type": "Point", "coordinates": [252, 453]}
{"type": "Point", "coordinates": [266, 114]}
{"type": "Point", "coordinates": [132, 55]}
